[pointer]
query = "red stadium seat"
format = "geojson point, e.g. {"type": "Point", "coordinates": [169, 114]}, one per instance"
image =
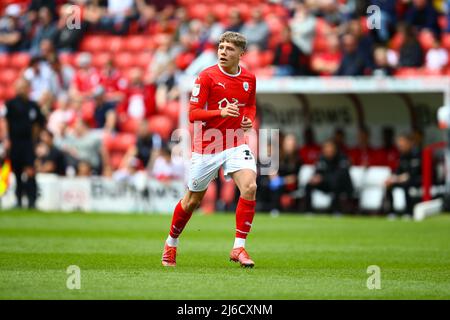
{"type": "Point", "coordinates": [162, 125]}
{"type": "Point", "coordinates": [94, 43]}
{"type": "Point", "coordinates": [267, 58]}
{"type": "Point", "coordinates": [124, 60]}
{"type": "Point", "coordinates": [9, 75]}
{"type": "Point", "coordinates": [143, 59]}
{"type": "Point", "coordinates": [408, 72]}
{"type": "Point", "coordinates": [426, 39]}
{"type": "Point", "coordinates": [221, 11]}
{"type": "Point", "coordinates": [4, 60]}
{"type": "Point", "coordinates": [99, 59]}
{"type": "Point", "coordinates": [446, 41]}
{"type": "Point", "coordinates": [120, 142]}
{"type": "Point", "coordinates": [115, 44]}
{"type": "Point", "coordinates": [130, 125]}
{"type": "Point", "coordinates": [19, 60]}
{"type": "Point", "coordinates": [320, 44]}
{"type": "Point", "coordinates": [66, 58]}
{"type": "Point", "coordinates": [172, 109]}
{"type": "Point", "coordinates": [197, 11]}
{"type": "Point", "coordinates": [136, 43]}
{"type": "Point", "coordinates": [396, 41]}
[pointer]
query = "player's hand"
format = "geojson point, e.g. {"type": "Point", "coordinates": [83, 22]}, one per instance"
{"type": "Point", "coordinates": [231, 110]}
{"type": "Point", "coordinates": [246, 123]}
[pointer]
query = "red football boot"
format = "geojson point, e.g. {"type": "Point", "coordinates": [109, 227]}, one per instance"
{"type": "Point", "coordinates": [241, 256]}
{"type": "Point", "coordinates": [169, 256]}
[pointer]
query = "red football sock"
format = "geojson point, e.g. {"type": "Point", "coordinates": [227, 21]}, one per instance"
{"type": "Point", "coordinates": [245, 212]}
{"type": "Point", "coordinates": [179, 220]}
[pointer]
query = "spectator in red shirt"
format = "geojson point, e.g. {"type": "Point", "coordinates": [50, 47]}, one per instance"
{"type": "Point", "coordinates": [310, 151]}
{"type": "Point", "coordinates": [112, 81]}
{"type": "Point", "coordinates": [139, 102]}
{"type": "Point", "coordinates": [86, 77]}
{"type": "Point", "coordinates": [326, 63]}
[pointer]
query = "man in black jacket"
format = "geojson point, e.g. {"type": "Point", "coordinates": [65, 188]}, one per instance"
{"type": "Point", "coordinates": [21, 116]}
{"type": "Point", "coordinates": [408, 173]}
{"type": "Point", "coordinates": [331, 176]}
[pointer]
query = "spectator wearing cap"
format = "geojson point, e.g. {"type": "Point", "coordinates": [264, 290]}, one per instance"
{"type": "Point", "coordinates": [11, 33]}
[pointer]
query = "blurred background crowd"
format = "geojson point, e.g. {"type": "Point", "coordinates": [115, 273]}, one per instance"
{"type": "Point", "coordinates": [104, 73]}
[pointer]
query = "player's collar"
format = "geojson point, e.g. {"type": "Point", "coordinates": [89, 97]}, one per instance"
{"type": "Point", "coordinates": [229, 74]}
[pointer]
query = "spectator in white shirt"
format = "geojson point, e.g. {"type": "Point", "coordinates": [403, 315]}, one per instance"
{"type": "Point", "coordinates": [436, 57]}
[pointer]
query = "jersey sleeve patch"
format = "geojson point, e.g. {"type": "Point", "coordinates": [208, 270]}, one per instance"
{"type": "Point", "coordinates": [196, 90]}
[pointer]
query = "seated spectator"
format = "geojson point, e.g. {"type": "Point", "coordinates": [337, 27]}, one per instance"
{"type": "Point", "coordinates": [60, 118]}
{"type": "Point", "coordinates": [422, 15]}
{"type": "Point", "coordinates": [235, 22]}
{"type": "Point", "coordinates": [112, 81]}
{"type": "Point", "coordinates": [353, 63]}
{"type": "Point", "coordinates": [69, 36]}
{"type": "Point", "coordinates": [36, 5]}
{"type": "Point", "coordinates": [45, 29]}
{"type": "Point", "coordinates": [117, 17]}
{"type": "Point", "coordinates": [310, 151]}
{"type": "Point", "coordinates": [206, 59]}
{"type": "Point", "coordinates": [303, 26]}
{"type": "Point", "coordinates": [146, 146]}
{"type": "Point", "coordinates": [411, 54]}
{"type": "Point", "coordinates": [329, 10]}
{"type": "Point", "coordinates": [365, 41]}
{"type": "Point", "coordinates": [11, 32]}
{"type": "Point", "coordinates": [340, 140]}
{"type": "Point", "coordinates": [211, 31]}
{"type": "Point", "coordinates": [42, 79]}
{"type": "Point", "coordinates": [128, 173]}
{"type": "Point", "coordinates": [363, 154]}
{"type": "Point", "coordinates": [163, 168]}
{"type": "Point", "coordinates": [287, 59]}
{"type": "Point", "coordinates": [139, 102]}
{"type": "Point", "coordinates": [327, 63]}
{"type": "Point", "coordinates": [256, 30]}
{"type": "Point", "coordinates": [105, 111]}
{"type": "Point", "coordinates": [64, 74]}
{"type": "Point", "coordinates": [436, 58]}
{"type": "Point", "coordinates": [164, 55]}
{"type": "Point", "coordinates": [388, 18]}
{"type": "Point", "coordinates": [407, 175]}
{"type": "Point", "coordinates": [86, 77]}
{"type": "Point", "coordinates": [49, 159]}
{"type": "Point", "coordinates": [381, 65]}
{"type": "Point", "coordinates": [387, 155]}
{"type": "Point", "coordinates": [331, 176]}
{"type": "Point", "coordinates": [83, 147]}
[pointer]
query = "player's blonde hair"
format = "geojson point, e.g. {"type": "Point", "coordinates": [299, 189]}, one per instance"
{"type": "Point", "coordinates": [235, 38]}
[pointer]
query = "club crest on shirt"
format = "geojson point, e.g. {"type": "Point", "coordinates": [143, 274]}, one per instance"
{"type": "Point", "coordinates": [196, 90]}
{"type": "Point", "coordinates": [245, 84]}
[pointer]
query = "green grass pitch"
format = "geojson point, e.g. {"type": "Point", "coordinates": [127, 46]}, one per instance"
{"type": "Point", "coordinates": [296, 257]}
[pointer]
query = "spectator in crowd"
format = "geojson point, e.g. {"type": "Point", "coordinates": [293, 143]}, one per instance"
{"type": "Point", "coordinates": [207, 58]}
{"type": "Point", "coordinates": [86, 77]}
{"type": "Point", "coordinates": [83, 147]}
{"type": "Point", "coordinates": [163, 168]}
{"type": "Point", "coordinates": [139, 102]}
{"type": "Point", "coordinates": [112, 81]}
{"type": "Point", "coordinates": [388, 18]}
{"type": "Point", "coordinates": [327, 63]}
{"type": "Point", "coordinates": [287, 59]}
{"type": "Point", "coordinates": [11, 32]}
{"type": "Point", "coordinates": [69, 36]}
{"type": "Point", "coordinates": [381, 65]}
{"type": "Point", "coordinates": [436, 58]}
{"type": "Point", "coordinates": [129, 171]}
{"type": "Point", "coordinates": [256, 30]}
{"type": "Point", "coordinates": [42, 79]}
{"type": "Point", "coordinates": [417, 138]}
{"type": "Point", "coordinates": [36, 5]}
{"type": "Point", "coordinates": [353, 63]}
{"type": "Point", "coordinates": [303, 26]}
{"type": "Point", "coordinates": [331, 176]}
{"type": "Point", "coordinates": [364, 41]}
{"type": "Point", "coordinates": [310, 151]}
{"type": "Point", "coordinates": [329, 10]}
{"type": "Point", "coordinates": [64, 73]}
{"type": "Point", "coordinates": [212, 30]}
{"type": "Point", "coordinates": [164, 55]}
{"type": "Point", "coordinates": [22, 117]}
{"type": "Point", "coordinates": [422, 15]}
{"type": "Point", "coordinates": [104, 112]}
{"type": "Point", "coordinates": [60, 118]}
{"type": "Point", "coordinates": [118, 16]}
{"type": "Point", "coordinates": [407, 175]}
{"type": "Point", "coordinates": [45, 29]}
{"type": "Point", "coordinates": [235, 21]}
{"type": "Point", "coordinates": [183, 22]}
{"type": "Point", "coordinates": [49, 159]}
{"type": "Point", "coordinates": [340, 140]}
{"type": "Point", "coordinates": [388, 153]}
{"type": "Point", "coordinates": [411, 54]}
{"type": "Point", "coordinates": [146, 146]}
{"type": "Point", "coordinates": [363, 154]}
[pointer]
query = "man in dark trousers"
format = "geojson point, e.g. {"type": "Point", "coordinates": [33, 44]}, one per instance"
{"type": "Point", "coordinates": [331, 176]}
{"type": "Point", "coordinates": [22, 115]}
{"type": "Point", "coordinates": [408, 174]}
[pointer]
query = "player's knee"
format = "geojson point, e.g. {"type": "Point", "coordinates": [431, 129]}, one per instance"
{"type": "Point", "coordinates": [192, 204]}
{"type": "Point", "coordinates": [250, 189]}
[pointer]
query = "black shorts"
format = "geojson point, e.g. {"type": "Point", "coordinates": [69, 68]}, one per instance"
{"type": "Point", "coordinates": [22, 154]}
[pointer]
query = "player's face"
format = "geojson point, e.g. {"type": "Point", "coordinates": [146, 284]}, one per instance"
{"type": "Point", "coordinates": [228, 55]}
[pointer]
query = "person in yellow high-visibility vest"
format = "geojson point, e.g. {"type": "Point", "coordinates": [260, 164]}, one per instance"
{"type": "Point", "coordinates": [5, 171]}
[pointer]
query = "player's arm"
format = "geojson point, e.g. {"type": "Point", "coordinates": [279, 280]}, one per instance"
{"type": "Point", "coordinates": [250, 109]}
{"type": "Point", "coordinates": [199, 97]}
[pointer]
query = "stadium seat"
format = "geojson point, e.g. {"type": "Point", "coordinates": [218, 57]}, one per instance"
{"type": "Point", "coordinates": [4, 60]}
{"type": "Point", "coordinates": [124, 60]}
{"type": "Point", "coordinates": [120, 142]}
{"type": "Point", "coordinates": [426, 39]}
{"type": "Point", "coordinates": [197, 10]}
{"type": "Point", "coordinates": [162, 125]}
{"type": "Point", "coordinates": [99, 59]}
{"type": "Point", "coordinates": [9, 75]}
{"type": "Point", "coordinates": [115, 44]}
{"type": "Point", "coordinates": [396, 41]}
{"type": "Point", "coordinates": [19, 60]}
{"type": "Point", "coordinates": [130, 125]}
{"type": "Point", "coordinates": [372, 192]}
{"type": "Point", "coordinates": [357, 173]}
{"type": "Point", "coordinates": [143, 59]}
{"type": "Point", "coordinates": [135, 43]}
{"type": "Point", "coordinates": [94, 43]}
{"type": "Point", "coordinates": [172, 109]}
{"type": "Point", "coordinates": [66, 58]}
